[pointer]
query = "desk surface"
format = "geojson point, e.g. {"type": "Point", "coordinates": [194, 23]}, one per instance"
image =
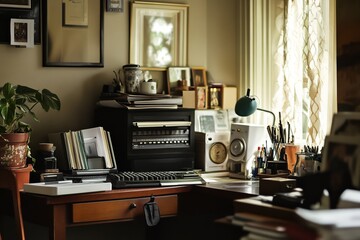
{"type": "Point", "coordinates": [57, 212]}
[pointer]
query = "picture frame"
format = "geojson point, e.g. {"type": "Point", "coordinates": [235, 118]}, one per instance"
{"type": "Point", "coordinates": [16, 11]}
{"type": "Point", "coordinates": [23, 4]}
{"type": "Point", "coordinates": [341, 155]}
{"type": "Point", "coordinates": [215, 97]}
{"type": "Point", "coordinates": [179, 78]}
{"type": "Point", "coordinates": [75, 13]}
{"type": "Point", "coordinates": [22, 32]}
{"type": "Point", "coordinates": [171, 45]}
{"type": "Point", "coordinates": [346, 124]}
{"type": "Point", "coordinates": [198, 75]}
{"type": "Point", "coordinates": [114, 5]}
{"type": "Point", "coordinates": [64, 46]}
{"type": "Point", "coordinates": [201, 97]}
{"type": "Point", "coordinates": [210, 120]}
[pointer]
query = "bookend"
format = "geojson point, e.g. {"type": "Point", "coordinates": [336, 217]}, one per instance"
{"type": "Point", "coordinates": [152, 213]}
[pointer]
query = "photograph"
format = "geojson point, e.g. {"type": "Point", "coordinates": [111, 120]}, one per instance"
{"type": "Point", "coordinates": [22, 32]}
{"type": "Point", "coordinates": [198, 75]}
{"type": "Point", "coordinates": [114, 5]}
{"type": "Point", "coordinates": [75, 13]}
{"type": "Point", "coordinates": [215, 97]}
{"type": "Point", "coordinates": [15, 3]}
{"type": "Point", "coordinates": [178, 79]}
{"type": "Point", "coordinates": [211, 120]}
{"type": "Point", "coordinates": [158, 34]}
{"type": "Point", "coordinates": [201, 97]}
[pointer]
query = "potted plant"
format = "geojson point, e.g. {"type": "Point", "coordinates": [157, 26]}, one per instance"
{"type": "Point", "coordinates": [17, 102]}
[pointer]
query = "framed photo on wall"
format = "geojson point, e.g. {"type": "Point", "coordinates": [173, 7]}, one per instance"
{"type": "Point", "coordinates": [114, 5]}
{"type": "Point", "coordinates": [21, 9]}
{"type": "Point", "coordinates": [198, 75]}
{"type": "Point", "coordinates": [22, 32]}
{"type": "Point", "coordinates": [201, 95]}
{"type": "Point", "coordinates": [158, 34]}
{"type": "Point", "coordinates": [75, 13]}
{"type": "Point", "coordinates": [15, 4]}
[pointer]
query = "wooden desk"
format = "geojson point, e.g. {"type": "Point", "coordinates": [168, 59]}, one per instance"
{"type": "Point", "coordinates": [296, 227]}
{"type": "Point", "coordinates": [58, 213]}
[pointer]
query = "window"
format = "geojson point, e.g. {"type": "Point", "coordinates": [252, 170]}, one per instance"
{"type": "Point", "coordinates": [288, 48]}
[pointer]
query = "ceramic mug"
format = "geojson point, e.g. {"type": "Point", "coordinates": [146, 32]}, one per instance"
{"type": "Point", "coordinates": [148, 87]}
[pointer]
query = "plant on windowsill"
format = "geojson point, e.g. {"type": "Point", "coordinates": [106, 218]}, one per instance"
{"type": "Point", "coordinates": [17, 102]}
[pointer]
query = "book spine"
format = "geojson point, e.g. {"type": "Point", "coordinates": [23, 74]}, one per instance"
{"type": "Point", "coordinates": [105, 142]}
{"type": "Point", "coordinates": [111, 149]}
{"type": "Point", "coordinates": [70, 150]}
{"type": "Point", "coordinates": [76, 150]}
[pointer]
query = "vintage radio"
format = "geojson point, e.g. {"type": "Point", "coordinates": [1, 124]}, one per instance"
{"type": "Point", "coordinates": [150, 139]}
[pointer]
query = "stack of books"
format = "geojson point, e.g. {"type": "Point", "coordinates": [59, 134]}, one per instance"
{"type": "Point", "coordinates": [141, 101]}
{"type": "Point", "coordinates": [84, 150]}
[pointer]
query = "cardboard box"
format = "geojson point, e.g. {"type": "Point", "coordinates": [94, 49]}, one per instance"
{"type": "Point", "coordinates": [188, 99]}
{"type": "Point", "coordinates": [229, 97]}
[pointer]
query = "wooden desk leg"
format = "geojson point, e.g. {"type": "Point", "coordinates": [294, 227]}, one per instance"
{"type": "Point", "coordinates": [58, 229]}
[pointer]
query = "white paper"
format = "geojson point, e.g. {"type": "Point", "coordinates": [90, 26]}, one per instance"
{"type": "Point", "coordinates": [337, 218]}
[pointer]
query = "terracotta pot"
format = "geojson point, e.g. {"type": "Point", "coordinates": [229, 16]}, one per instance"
{"type": "Point", "coordinates": [22, 175]}
{"type": "Point", "coordinates": [13, 150]}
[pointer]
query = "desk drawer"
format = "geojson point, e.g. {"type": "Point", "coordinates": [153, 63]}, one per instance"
{"type": "Point", "coordinates": [126, 209]}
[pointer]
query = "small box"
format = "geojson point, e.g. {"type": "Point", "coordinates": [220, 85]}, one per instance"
{"type": "Point", "coordinates": [273, 185]}
{"type": "Point", "coordinates": [229, 97]}
{"type": "Point", "coordinates": [188, 99]}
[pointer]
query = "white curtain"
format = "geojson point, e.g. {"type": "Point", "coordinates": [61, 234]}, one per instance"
{"type": "Point", "coordinates": [302, 60]}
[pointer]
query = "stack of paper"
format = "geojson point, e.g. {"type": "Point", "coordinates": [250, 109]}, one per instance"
{"type": "Point", "coordinates": [66, 187]}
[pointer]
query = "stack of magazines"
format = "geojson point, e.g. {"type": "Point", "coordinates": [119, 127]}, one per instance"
{"type": "Point", "coordinates": [140, 101]}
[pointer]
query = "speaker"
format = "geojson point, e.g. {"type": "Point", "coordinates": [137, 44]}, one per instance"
{"type": "Point", "coordinates": [211, 151]}
{"type": "Point", "coordinates": [244, 142]}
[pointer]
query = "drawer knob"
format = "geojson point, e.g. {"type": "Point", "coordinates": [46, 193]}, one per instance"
{"type": "Point", "coordinates": [132, 205]}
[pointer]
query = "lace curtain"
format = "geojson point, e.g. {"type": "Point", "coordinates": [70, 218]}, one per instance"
{"type": "Point", "coordinates": [302, 61]}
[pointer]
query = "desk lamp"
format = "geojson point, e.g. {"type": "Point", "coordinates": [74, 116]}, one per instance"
{"type": "Point", "coordinates": [246, 106]}
{"type": "Point", "coordinates": [245, 138]}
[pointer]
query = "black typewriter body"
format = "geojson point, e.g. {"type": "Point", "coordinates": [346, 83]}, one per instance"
{"type": "Point", "coordinates": [150, 139]}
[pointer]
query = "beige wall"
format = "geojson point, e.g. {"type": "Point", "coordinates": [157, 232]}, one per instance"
{"type": "Point", "coordinates": [211, 44]}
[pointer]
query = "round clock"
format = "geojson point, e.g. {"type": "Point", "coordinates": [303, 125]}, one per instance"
{"type": "Point", "coordinates": [218, 153]}
{"type": "Point", "coordinates": [237, 147]}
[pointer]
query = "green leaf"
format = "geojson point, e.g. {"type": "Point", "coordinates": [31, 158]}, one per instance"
{"type": "Point", "coordinates": [50, 100]}
{"type": "Point", "coordinates": [8, 90]}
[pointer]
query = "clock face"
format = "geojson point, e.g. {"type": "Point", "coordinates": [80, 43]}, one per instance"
{"type": "Point", "coordinates": [218, 153]}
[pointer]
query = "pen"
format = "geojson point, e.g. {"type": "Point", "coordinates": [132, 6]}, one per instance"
{"type": "Point", "coordinates": [281, 129]}
{"type": "Point", "coordinates": [289, 130]}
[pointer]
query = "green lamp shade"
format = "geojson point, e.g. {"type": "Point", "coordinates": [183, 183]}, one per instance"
{"type": "Point", "coordinates": [245, 106]}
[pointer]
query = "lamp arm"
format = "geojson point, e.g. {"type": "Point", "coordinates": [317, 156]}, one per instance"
{"type": "Point", "coordinates": [260, 109]}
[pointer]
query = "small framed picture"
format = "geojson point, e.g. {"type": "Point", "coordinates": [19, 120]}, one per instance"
{"type": "Point", "coordinates": [22, 32]}
{"type": "Point", "coordinates": [215, 98]}
{"type": "Point", "coordinates": [178, 79]}
{"type": "Point", "coordinates": [198, 76]}
{"type": "Point", "coordinates": [114, 5]}
{"type": "Point", "coordinates": [201, 95]}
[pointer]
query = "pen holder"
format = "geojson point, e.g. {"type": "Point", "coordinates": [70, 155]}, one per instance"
{"type": "Point", "coordinates": [306, 163]}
